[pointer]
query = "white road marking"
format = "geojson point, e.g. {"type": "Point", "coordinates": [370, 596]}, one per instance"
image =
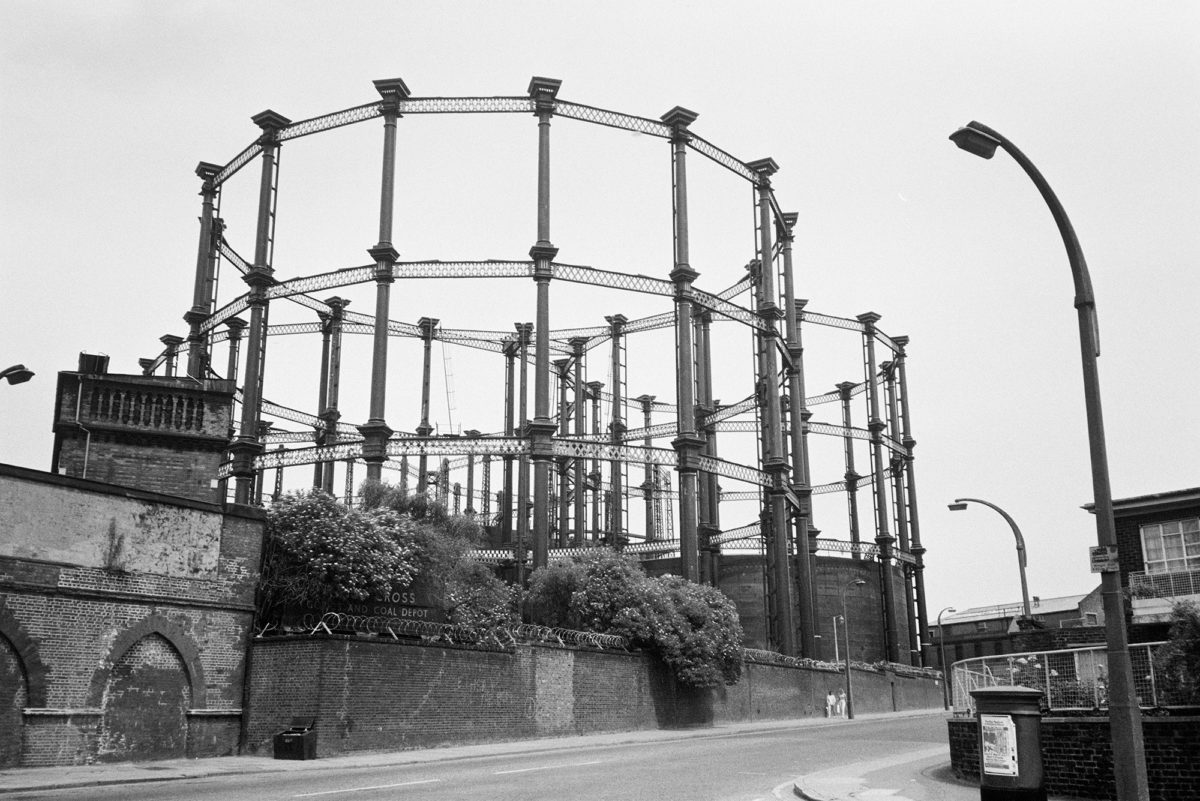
{"type": "Point", "coordinates": [362, 789]}
{"type": "Point", "coordinates": [547, 767]}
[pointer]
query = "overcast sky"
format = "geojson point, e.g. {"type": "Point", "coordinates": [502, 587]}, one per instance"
{"type": "Point", "coordinates": [105, 109]}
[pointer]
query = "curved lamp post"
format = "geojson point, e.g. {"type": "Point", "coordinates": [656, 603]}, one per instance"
{"type": "Point", "coordinates": [942, 648]}
{"type": "Point", "coordinates": [17, 374]}
{"type": "Point", "coordinates": [1129, 755]}
{"type": "Point", "coordinates": [961, 504]}
{"type": "Point", "coordinates": [846, 631]}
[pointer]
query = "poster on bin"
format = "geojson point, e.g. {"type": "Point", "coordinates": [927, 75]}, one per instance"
{"type": "Point", "coordinates": [998, 734]}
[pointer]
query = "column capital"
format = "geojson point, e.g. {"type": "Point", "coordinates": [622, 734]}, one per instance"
{"type": "Point", "coordinates": [785, 226]}
{"type": "Point", "coordinates": [375, 435]}
{"type": "Point", "coordinates": [594, 388]}
{"type": "Point", "coordinates": [171, 340]}
{"type": "Point", "coordinates": [869, 319]}
{"type": "Point", "coordinates": [901, 342]}
{"type": "Point", "coordinates": [235, 325]}
{"type": "Point", "coordinates": [562, 366]}
{"type": "Point", "coordinates": [271, 123]}
{"type": "Point", "coordinates": [336, 306]}
{"type": "Point", "coordinates": [679, 118]}
{"type": "Point", "coordinates": [392, 90]}
{"type": "Point", "coordinates": [524, 333]}
{"type": "Point", "coordinates": [207, 172]}
{"type": "Point", "coordinates": [844, 389]}
{"type": "Point", "coordinates": [259, 277]}
{"type": "Point", "coordinates": [427, 325]}
{"type": "Point", "coordinates": [147, 366]}
{"type": "Point", "coordinates": [511, 347]}
{"type": "Point", "coordinates": [543, 92]}
{"type": "Point", "coordinates": [683, 273]}
{"type": "Point", "coordinates": [383, 252]}
{"type": "Point", "coordinates": [195, 316]}
{"type": "Point", "coordinates": [765, 168]}
{"type": "Point", "coordinates": [542, 251]}
{"type": "Point", "coordinates": [578, 344]}
{"type": "Point", "coordinates": [645, 400]}
{"type": "Point", "coordinates": [616, 322]}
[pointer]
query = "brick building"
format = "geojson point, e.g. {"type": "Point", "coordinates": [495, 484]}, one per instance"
{"type": "Point", "coordinates": [1158, 541]}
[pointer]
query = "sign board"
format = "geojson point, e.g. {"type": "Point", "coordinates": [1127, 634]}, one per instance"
{"type": "Point", "coordinates": [1104, 559]}
{"type": "Point", "coordinates": [998, 738]}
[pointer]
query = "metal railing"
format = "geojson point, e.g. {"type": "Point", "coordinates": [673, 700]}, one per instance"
{"type": "Point", "coordinates": [1070, 680]}
{"type": "Point", "coordinates": [1164, 585]}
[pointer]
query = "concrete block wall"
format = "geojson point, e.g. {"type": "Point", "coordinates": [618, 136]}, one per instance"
{"type": "Point", "coordinates": [1077, 755]}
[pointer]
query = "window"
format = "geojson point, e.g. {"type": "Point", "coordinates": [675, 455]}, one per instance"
{"type": "Point", "coordinates": [1091, 619]}
{"type": "Point", "coordinates": [1172, 547]}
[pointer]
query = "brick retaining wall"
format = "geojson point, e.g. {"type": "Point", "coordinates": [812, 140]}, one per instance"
{"type": "Point", "coordinates": [1077, 755]}
{"type": "Point", "coordinates": [379, 694]}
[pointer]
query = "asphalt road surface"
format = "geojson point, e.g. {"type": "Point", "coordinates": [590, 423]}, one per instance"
{"type": "Point", "coordinates": [738, 766]}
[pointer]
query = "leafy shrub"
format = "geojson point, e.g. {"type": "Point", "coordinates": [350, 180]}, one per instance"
{"type": "Point", "coordinates": [318, 552]}
{"type": "Point", "coordinates": [1179, 659]}
{"type": "Point", "coordinates": [694, 629]}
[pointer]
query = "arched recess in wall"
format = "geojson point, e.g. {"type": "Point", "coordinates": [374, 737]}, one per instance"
{"type": "Point", "coordinates": [22, 684]}
{"type": "Point", "coordinates": [152, 677]}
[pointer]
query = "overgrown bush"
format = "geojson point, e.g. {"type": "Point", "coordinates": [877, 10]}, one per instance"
{"type": "Point", "coordinates": [445, 550]}
{"type": "Point", "coordinates": [694, 629]}
{"type": "Point", "coordinates": [319, 552]}
{"type": "Point", "coordinates": [1179, 659]}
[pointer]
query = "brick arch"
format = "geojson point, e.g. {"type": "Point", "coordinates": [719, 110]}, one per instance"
{"type": "Point", "coordinates": [173, 633]}
{"type": "Point", "coordinates": [31, 661]}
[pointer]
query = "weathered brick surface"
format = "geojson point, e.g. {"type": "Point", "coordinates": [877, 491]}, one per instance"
{"type": "Point", "coordinates": [1077, 755]}
{"type": "Point", "coordinates": [116, 601]}
{"type": "Point", "coordinates": [372, 693]}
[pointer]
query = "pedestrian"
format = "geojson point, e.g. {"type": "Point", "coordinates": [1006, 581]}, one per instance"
{"type": "Point", "coordinates": [841, 703]}
{"type": "Point", "coordinates": [830, 704]}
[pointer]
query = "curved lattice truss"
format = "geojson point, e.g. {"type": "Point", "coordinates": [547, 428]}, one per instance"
{"type": "Point", "coordinates": [564, 477]}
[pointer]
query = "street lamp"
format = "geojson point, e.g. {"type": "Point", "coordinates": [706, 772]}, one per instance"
{"type": "Point", "coordinates": [17, 374]}
{"type": "Point", "coordinates": [961, 504]}
{"type": "Point", "coordinates": [836, 656]}
{"type": "Point", "coordinates": [942, 647]}
{"type": "Point", "coordinates": [846, 632]}
{"type": "Point", "coordinates": [1129, 754]}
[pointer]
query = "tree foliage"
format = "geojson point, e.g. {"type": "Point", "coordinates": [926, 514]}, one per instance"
{"type": "Point", "coordinates": [1179, 659]}
{"type": "Point", "coordinates": [319, 552]}
{"type": "Point", "coordinates": [445, 550]}
{"type": "Point", "coordinates": [694, 629]}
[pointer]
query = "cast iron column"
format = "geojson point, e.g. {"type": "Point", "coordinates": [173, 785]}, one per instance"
{"type": "Point", "coordinates": [235, 325]}
{"type": "Point", "coordinates": [708, 524]}
{"type": "Point", "coordinates": [774, 461]}
{"type": "Point", "coordinates": [171, 343]}
{"type": "Point", "coordinates": [322, 396]}
{"type": "Point", "coordinates": [844, 393]}
{"type": "Point", "coordinates": [914, 527]}
{"type": "Point", "coordinates": [511, 348]}
{"type": "Point", "coordinates": [799, 451]}
{"type": "Point", "coordinates": [687, 442]}
{"type": "Point", "coordinates": [807, 540]}
{"type": "Point", "coordinates": [562, 368]}
{"type": "Point", "coordinates": [541, 429]}
{"type": "Point", "coordinates": [896, 462]}
{"type": "Point", "coordinates": [648, 488]}
{"type": "Point", "coordinates": [428, 326]}
{"type": "Point", "coordinates": [577, 346]}
{"type": "Point", "coordinates": [375, 431]}
{"type": "Point", "coordinates": [524, 334]}
{"type": "Point", "coordinates": [616, 515]}
{"type": "Point", "coordinates": [202, 289]}
{"type": "Point", "coordinates": [469, 511]}
{"type": "Point", "coordinates": [247, 445]}
{"type": "Point", "coordinates": [883, 538]}
{"type": "Point", "coordinates": [595, 477]}
{"type": "Point", "coordinates": [330, 413]}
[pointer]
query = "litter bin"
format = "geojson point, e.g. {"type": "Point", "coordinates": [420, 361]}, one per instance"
{"type": "Point", "coordinates": [299, 741]}
{"type": "Point", "coordinates": [1010, 744]}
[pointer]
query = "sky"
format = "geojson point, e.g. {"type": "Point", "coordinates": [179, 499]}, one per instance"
{"type": "Point", "coordinates": [106, 108]}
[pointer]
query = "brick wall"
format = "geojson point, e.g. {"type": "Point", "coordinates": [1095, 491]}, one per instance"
{"type": "Point", "coordinates": [370, 693]}
{"type": "Point", "coordinates": [128, 614]}
{"type": "Point", "coordinates": [1077, 755]}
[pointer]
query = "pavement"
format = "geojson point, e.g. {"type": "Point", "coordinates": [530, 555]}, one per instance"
{"type": "Point", "coordinates": [920, 775]}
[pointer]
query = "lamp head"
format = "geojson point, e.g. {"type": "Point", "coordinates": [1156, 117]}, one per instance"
{"type": "Point", "coordinates": [957, 506]}
{"type": "Point", "coordinates": [17, 374]}
{"type": "Point", "coordinates": [857, 583]}
{"type": "Point", "coordinates": [973, 140]}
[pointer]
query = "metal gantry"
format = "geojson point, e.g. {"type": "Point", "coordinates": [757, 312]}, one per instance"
{"type": "Point", "coordinates": [578, 422]}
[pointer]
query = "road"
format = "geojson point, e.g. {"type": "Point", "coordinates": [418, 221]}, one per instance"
{"type": "Point", "coordinates": [735, 766]}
